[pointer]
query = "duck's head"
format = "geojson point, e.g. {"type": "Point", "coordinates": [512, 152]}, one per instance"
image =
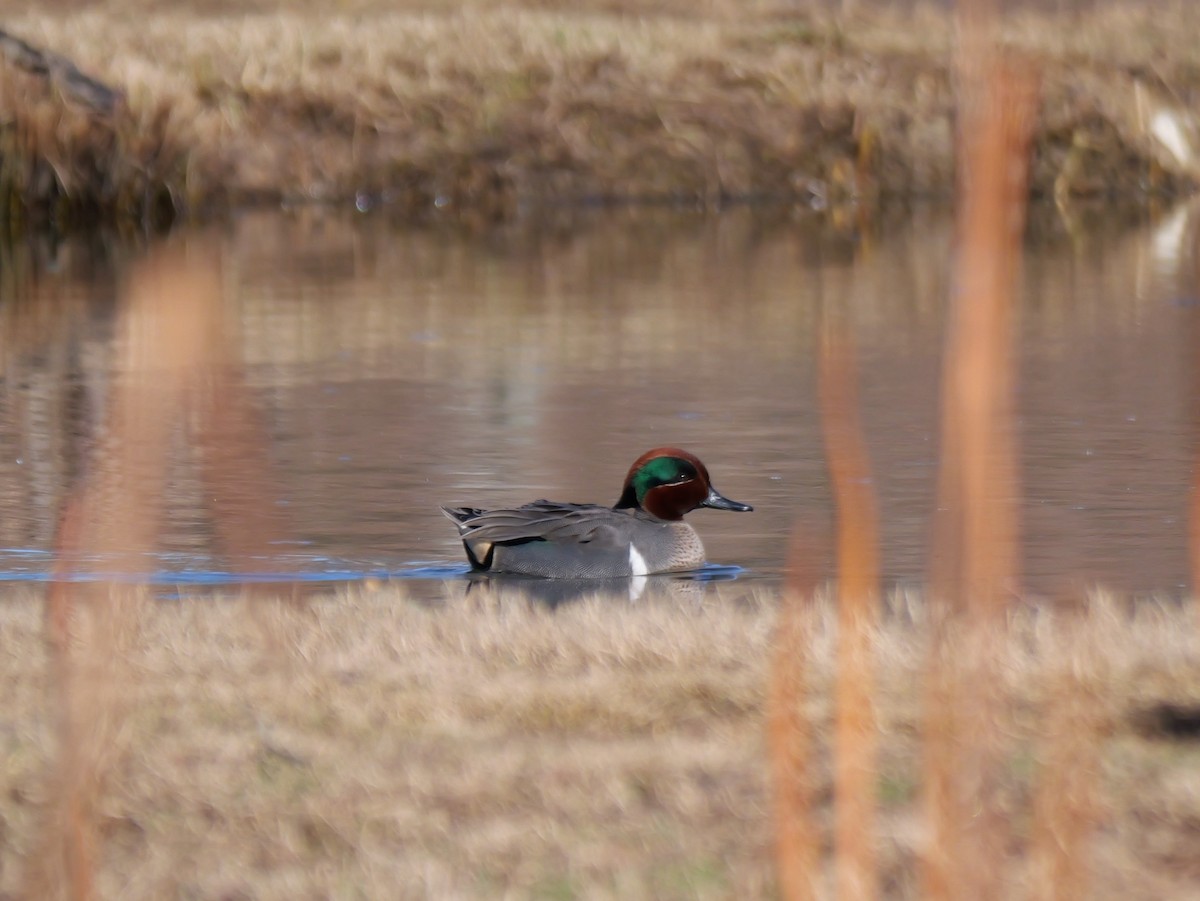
{"type": "Point", "coordinates": [667, 482]}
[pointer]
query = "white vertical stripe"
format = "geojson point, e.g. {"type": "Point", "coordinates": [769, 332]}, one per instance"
{"type": "Point", "coordinates": [637, 563]}
{"type": "Point", "coordinates": [636, 586]}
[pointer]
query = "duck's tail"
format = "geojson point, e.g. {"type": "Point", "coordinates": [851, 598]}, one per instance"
{"type": "Point", "coordinates": [461, 516]}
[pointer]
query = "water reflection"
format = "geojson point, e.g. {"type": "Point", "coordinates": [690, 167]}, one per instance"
{"type": "Point", "coordinates": [681, 587]}
{"type": "Point", "coordinates": [396, 369]}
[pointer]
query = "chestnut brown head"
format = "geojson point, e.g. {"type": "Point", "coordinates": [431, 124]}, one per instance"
{"type": "Point", "coordinates": [668, 482]}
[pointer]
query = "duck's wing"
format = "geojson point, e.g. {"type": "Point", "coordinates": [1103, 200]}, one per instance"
{"type": "Point", "coordinates": [539, 521]}
{"type": "Point", "coordinates": [569, 528]}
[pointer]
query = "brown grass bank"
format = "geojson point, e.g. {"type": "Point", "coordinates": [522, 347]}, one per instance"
{"type": "Point", "coordinates": [477, 107]}
{"type": "Point", "coordinates": [490, 748]}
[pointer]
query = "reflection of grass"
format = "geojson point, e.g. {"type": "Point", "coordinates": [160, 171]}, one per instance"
{"type": "Point", "coordinates": [386, 749]}
{"type": "Point", "coordinates": [487, 104]}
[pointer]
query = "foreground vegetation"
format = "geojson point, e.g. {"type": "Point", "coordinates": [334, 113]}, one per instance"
{"type": "Point", "coordinates": [364, 746]}
{"type": "Point", "coordinates": [478, 108]}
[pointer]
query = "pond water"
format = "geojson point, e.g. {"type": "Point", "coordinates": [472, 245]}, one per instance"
{"type": "Point", "coordinates": [393, 368]}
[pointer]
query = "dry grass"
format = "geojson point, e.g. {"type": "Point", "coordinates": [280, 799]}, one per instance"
{"type": "Point", "coordinates": [482, 106]}
{"type": "Point", "coordinates": [488, 747]}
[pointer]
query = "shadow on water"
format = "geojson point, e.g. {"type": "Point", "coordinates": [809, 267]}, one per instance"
{"type": "Point", "coordinates": [392, 369]}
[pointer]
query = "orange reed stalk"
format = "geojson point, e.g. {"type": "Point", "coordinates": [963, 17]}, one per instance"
{"type": "Point", "coordinates": [939, 872]}
{"type": "Point", "coordinates": [974, 570]}
{"type": "Point", "coordinates": [855, 738]}
{"type": "Point", "coordinates": [980, 391]}
{"type": "Point", "coordinates": [789, 742]}
{"type": "Point", "coordinates": [164, 334]}
{"type": "Point", "coordinates": [1065, 804]}
{"type": "Point", "coordinates": [1195, 529]}
{"type": "Point", "coordinates": [1194, 500]}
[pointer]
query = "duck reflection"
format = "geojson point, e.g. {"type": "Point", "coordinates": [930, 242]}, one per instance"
{"type": "Point", "coordinates": [687, 587]}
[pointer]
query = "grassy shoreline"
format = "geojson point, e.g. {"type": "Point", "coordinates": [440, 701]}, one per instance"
{"type": "Point", "coordinates": [364, 746]}
{"type": "Point", "coordinates": [483, 108]}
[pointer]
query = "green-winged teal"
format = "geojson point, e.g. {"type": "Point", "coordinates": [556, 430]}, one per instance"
{"type": "Point", "coordinates": [642, 533]}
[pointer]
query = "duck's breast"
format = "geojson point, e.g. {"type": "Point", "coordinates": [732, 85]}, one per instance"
{"type": "Point", "coordinates": [666, 547]}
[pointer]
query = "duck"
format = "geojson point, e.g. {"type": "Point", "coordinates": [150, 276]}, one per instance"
{"type": "Point", "coordinates": [642, 534]}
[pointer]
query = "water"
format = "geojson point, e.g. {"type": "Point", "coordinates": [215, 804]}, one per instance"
{"type": "Point", "coordinates": [396, 368]}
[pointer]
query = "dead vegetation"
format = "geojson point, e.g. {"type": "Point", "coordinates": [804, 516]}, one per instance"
{"type": "Point", "coordinates": [472, 110]}
{"type": "Point", "coordinates": [606, 749]}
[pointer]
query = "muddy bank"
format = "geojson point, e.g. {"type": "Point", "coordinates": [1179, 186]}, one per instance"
{"type": "Point", "coordinates": [488, 106]}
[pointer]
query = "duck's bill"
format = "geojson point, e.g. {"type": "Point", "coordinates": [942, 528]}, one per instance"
{"type": "Point", "coordinates": [720, 502]}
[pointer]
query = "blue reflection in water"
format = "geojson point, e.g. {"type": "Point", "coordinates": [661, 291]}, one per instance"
{"type": "Point", "coordinates": [28, 565]}
{"type": "Point", "coordinates": [32, 565]}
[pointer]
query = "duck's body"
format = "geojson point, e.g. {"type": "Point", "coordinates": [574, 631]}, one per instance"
{"type": "Point", "coordinates": [643, 533]}
{"type": "Point", "coordinates": [575, 541]}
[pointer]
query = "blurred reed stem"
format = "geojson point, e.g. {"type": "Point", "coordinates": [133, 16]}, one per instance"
{"type": "Point", "coordinates": [974, 569]}
{"type": "Point", "coordinates": [855, 734]}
